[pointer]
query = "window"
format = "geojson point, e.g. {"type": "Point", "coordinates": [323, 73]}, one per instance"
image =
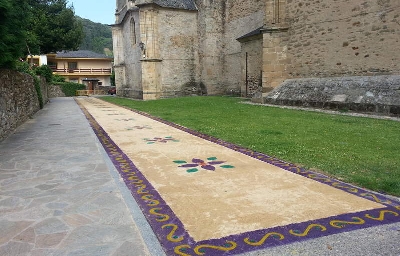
{"type": "Point", "coordinates": [133, 31]}
{"type": "Point", "coordinates": [52, 65]}
{"type": "Point", "coordinates": [72, 65]}
{"type": "Point", "coordinates": [74, 80]}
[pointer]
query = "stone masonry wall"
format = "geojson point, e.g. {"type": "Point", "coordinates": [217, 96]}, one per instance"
{"type": "Point", "coordinates": [127, 64]}
{"type": "Point", "coordinates": [242, 17]}
{"type": "Point", "coordinates": [343, 38]}
{"type": "Point", "coordinates": [252, 50]}
{"type": "Point", "coordinates": [376, 94]}
{"type": "Point", "coordinates": [179, 50]}
{"type": "Point", "coordinates": [18, 100]}
{"type": "Point", "coordinates": [220, 23]}
{"type": "Point", "coordinates": [211, 29]}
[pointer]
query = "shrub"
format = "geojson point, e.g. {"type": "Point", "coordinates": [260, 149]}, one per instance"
{"type": "Point", "coordinates": [23, 66]}
{"type": "Point", "coordinates": [58, 78]}
{"type": "Point", "coordinates": [69, 89]}
{"type": "Point", "coordinates": [44, 71]}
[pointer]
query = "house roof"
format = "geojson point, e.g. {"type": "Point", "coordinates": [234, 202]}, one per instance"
{"type": "Point", "coordinates": [176, 4]}
{"type": "Point", "coordinates": [82, 54]}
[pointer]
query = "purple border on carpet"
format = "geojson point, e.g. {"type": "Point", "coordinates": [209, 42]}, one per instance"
{"type": "Point", "coordinates": [176, 241]}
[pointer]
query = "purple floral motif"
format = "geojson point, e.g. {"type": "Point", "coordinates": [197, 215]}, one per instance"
{"type": "Point", "coordinates": [160, 140]}
{"type": "Point", "coordinates": [207, 165]}
{"type": "Point", "coordinates": [142, 127]}
{"type": "Point", "coordinates": [138, 127]}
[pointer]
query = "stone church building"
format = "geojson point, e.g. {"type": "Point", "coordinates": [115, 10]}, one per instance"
{"type": "Point", "coordinates": [167, 48]}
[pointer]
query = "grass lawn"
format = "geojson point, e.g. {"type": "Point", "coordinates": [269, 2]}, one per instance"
{"type": "Point", "coordinates": [361, 151]}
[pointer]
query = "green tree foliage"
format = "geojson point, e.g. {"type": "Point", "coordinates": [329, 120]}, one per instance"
{"type": "Point", "coordinates": [14, 16]}
{"type": "Point", "coordinates": [35, 27]}
{"type": "Point", "coordinates": [53, 27]}
{"type": "Point", "coordinates": [97, 36]}
{"type": "Point", "coordinates": [44, 71]}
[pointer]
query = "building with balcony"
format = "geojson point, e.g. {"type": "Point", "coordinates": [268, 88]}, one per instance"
{"type": "Point", "coordinates": [78, 66]}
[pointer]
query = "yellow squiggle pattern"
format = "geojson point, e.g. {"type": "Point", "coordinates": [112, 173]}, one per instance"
{"type": "Point", "coordinates": [177, 250]}
{"type": "Point", "coordinates": [375, 198]}
{"type": "Point", "coordinates": [341, 223]}
{"type": "Point", "coordinates": [170, 236]}
{"type": "Point", "coordinates": [297, 169]}
{"type": "Point", "coordinates": [262, 241]}
{"type": "Point", "coordinates": [381, 215]}
{"type": "Point", "coordinates": [219, 248]}
{"type": "Point", "coordinates": [316, 177]}
{"type": "Point", "coordinates": [150, 201]}
{"type": "Point", "coordinates": [311, 226]}
{"type": "Point", "coordinates": [141, 189]}
{"type": "Point", "coordinates": [161, 217]}
{"type": "Point", "coordinates": [350, 189]}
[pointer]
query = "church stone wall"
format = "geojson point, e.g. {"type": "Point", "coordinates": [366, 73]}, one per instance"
{"type": "Point", "coordinates": [179, 51]}
{"type": "Point", "coordinates": [220, 23]}
{"type": "Point", "coordinates": [211, 27]}
{"type": "Point", "coordinates": [343, 38]}
{"type": "Point", "coordinates": [242, 17]}
{"type": "Point", "coordinates": [251, 64]}
{"type": "Point", "coordinates": [127, 57]}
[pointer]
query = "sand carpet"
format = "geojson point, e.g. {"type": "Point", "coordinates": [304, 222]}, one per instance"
{"type": "Point", "coordinates": [205, 196]}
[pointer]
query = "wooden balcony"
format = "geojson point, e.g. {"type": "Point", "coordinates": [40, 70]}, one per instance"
{"type": "Point", "coordinates": [83, 71]}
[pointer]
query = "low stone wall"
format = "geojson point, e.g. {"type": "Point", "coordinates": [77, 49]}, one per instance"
{"type": "Point", "coordinates": [55, 91]}
{"type": "Point", "coordinates": [18, 100]}
{"type": "Point", "coordinates": [373, 94]}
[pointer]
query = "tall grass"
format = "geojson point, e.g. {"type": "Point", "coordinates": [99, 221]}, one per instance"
{"type": "Point", "coordinates": [362, 151]}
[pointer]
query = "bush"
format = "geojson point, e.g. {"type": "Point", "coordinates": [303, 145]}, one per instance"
{"type": "Point", "coordinates": [44, 71]}
{"type": "Point", "coordinates": [23, 67]}
{"type": "Point", "coordinates": [69, 89]}
{"type": "Point", "coordinates": [57, 78]}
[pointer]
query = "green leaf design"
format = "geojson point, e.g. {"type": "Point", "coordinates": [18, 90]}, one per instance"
{"type": "Point", "coordinates": [193, 170]}
{"type": "Point", "coordinates": [227, 166]}
{"type": "Point", "coordinates": [212, 158]}
{"type": "Point", "coordinates": [180, 162]}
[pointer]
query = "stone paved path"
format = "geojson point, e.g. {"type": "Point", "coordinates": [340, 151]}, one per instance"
{"type": "Point", "coordinates": [57, 193]}
{"type": "Point", "coordinates": [60, 195]}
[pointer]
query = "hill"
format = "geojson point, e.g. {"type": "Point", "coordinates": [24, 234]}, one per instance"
{"type": "Point", "coordinates": [98, 37]}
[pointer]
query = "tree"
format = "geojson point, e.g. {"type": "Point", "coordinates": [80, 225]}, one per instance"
{"type": "Point", "coordinates": [53, 27]}
{"type": "Point", "coordinates": [36, 27]}
{"type": "Point", "coordinates": [14, 16]}
{"type": "Point", "coordinates": [97, 36]}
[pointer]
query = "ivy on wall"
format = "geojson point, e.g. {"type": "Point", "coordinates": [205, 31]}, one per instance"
{"type": "Point", "coordinates": [69, 89]}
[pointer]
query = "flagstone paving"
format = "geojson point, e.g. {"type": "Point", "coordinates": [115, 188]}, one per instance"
{"type": "Point", "coordinates": [57, 193]}
{"type": "Point", "coordinates": [157, 188]}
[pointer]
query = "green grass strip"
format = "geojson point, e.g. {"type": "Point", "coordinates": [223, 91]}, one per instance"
{"type": "Point", "coordinates": [358, 150]}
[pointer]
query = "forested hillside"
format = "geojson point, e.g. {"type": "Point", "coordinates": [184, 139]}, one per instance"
{"type": "Point", "coordinates": [98, 37]}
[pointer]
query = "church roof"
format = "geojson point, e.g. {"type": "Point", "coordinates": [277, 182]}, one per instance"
{"type": "Point", "coordinates": [252, 33]}
{"type": "Point", "coordinates": [176, 4]}
{"type": "Point", "coordinates": [82, 54]}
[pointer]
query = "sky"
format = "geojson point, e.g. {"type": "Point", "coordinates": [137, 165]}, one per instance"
{"type": "Point", "coordinates": [101, 11]}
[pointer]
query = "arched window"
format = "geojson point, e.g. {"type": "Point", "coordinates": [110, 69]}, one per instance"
{"type": "Point", "coordinates": [133, 31]}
